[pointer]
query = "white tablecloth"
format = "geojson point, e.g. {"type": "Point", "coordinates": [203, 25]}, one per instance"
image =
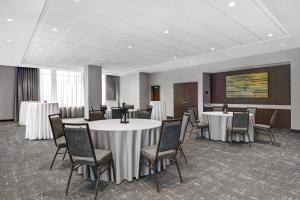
{"type": "Point", "coordinates": [37, 122]}
{"type": "Point", "coordinates": [159, 110]}
{"type": "Point", "coordinates": [23, 111]}
{"type": "Point", "coordinates": [108, 114]}
{"type": "Point", "coordinates": [125, 141]}
{"type": "Point", "coordinates": [220, 122]}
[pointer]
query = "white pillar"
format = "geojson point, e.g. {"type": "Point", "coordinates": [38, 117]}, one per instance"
{"type": "Point", "coordinates": [92, 88]}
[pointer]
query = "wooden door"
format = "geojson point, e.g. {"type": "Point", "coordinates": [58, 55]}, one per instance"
{"type": "Point", "coordinates": [185, 96]}
{"type": "Point", "coordinates": [155, 93]}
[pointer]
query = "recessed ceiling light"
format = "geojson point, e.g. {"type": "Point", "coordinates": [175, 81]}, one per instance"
{"type": "Point", "coordinates": [129, 46]}
{"type": "Point", "coordinates": [231, 4]}
{"type": "Point", "coordinates": [9, 19]}
{"type": "Point", "coordinates": [76, 0]}
{"type": "Point", "coordinates": [54, 29]}
{"type": "Point", "coordinates": [8, 40]}
{"type": "Point", "coordinates": [282, 44]}
{"type": "Point", "coordinates": [212, 49]}
{"type": "Point", "coordinates": [166, 32]}
{"type": "Point", "coordinates": [175, 57]}
{"type": "Point", "coordinates": [270, 35]}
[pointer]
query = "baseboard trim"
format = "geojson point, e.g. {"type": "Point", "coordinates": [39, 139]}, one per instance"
{"type": "Point", "coordinates": [6, 120]}
{"type": "Point", "coordinates": [295, 130]}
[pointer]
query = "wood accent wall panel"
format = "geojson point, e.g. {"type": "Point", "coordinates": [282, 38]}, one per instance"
{"type": "Point", "coordinates": [279, 86]}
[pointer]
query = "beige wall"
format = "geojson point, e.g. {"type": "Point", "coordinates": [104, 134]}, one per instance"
{"type": "Point", "coordinates": [7, 85]}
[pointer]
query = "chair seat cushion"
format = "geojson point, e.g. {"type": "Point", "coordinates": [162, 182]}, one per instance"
{"type": "Point", "coordinates": [149, 152]}
{"type": "Point", "coordinates": [262, 126]}
{"type": "Point", "coordinates": [61, 142]}
{"type": "Point", "coordinates": [102, 156]}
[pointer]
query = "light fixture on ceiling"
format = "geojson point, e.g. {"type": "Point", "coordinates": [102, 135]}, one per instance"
{"type": "Point", "coordinates": [282, 44]}
{"type": "Point", "coordinates": [166, 32]}
{"type": "Point", "coordinates": [9, 19]}
{"type": "Point", "coordinates": [212, 49]}
{"type": "Point", "coordinates": [228, 54]}
{"type": "Point", "coordinates": [76, 0]}
{"type": "Point", "coordinates": [270, 35]}
{"type": "Point", "coordinates": [231, 4]}
{"type": "Point", "coordinates": [175, 57]}
{"type": "Point", "coordinates": [8, 40]}
{"type": "Point", "coordinates": [54, 29]}
{"type": "Point", "coordinates": [129, 46]}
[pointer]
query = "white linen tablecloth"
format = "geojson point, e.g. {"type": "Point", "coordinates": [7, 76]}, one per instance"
{"type": "Point", "coordinates": [219, 123]}
{"type": "Point", "coordinates": [37, 122]}
{"type": "Point", "coordinates": [158, 110]}
{"type": "Point", "coordinates": [125, 141]}
{"type": "Point", "coordinates": [23, 111]}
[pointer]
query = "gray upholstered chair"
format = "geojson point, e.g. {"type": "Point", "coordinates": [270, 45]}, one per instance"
{"type": "Point", "coordinates": [149, 109]}
{"type": "Point", "coordinates": [167, 147]}
{"type": "Point", "coordinates": [252, 110]}
{"type": "Point", "coordinates": [58, 135]}
{"type": "Point", "coordinates": [103, 108]}
{"type": "Point", "coordinates": [184, 125]}
{"type": "Point", "coordinates": [96, 115]}
{"type": "Point", "coordinates": [197, 126]}
{"type": "Point", "coordinates": [217, 109]}
{"type": "Point", "coordinates": [240, 125]}
{"type": "Point", "coordinates": [80, 146]}
{"type": "Point", "coordinates": [266, 129]}
{"type": "Point", "coordinates": [116, 112]}
{"type": "Point", "coordinates": [143, 115]}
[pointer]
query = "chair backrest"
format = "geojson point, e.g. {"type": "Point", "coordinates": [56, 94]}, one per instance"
{"type": "Point", "coordinates": [240, 120]}
{"type": "Point", "coordinates": [149, 109]}
{"type": "Point", "coordinates": [96, 115]}
{"type": "Point", "coordinates": [195, 111]}
{"type": "Point", "coordinates": [56, 126]}
{"type": "Point", "coordinates": [129, 106]}
{"type": "Point", "coordinates": [79, 143]}
{"type": "Point", "coordinates": [169, 136]}
{"type": "Point", "coordinates": [116, 112]}
{"type": "Point", "coordinates": [143, 115]}
{"type": "Point", "coordinates": [273, 118]}
{"type": "Point", "coordinates": [192, 117]}
{"type": "Point", "coordinates": [252, 110]}
{"type": "Point", "coordinates": [184, 125]}
{"type": "Point", "coordinates": [103, 108]}
{"type": "Point", "coordinates": [217, 109]}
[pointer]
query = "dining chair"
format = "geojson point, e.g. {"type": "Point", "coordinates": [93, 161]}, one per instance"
{"type": "Point", "coordinates": [239, 125]}
{"type": "Point", "coordinates": [116, 112]}
{"type": "Point", "coordinates": [184, 125]}
{"type": "Point", "coordinates": [142, 115]}
{"type": "Point", "coordinates": [197, 125]}
{"type": "Point", "coordinates": [266, 129]}
{"type": "Point", "coordinates": [58, 135]}
{"type": "Point", "coordinates": [149, 108]}
{"type": "Point", "coordinates": [103, 108]}
{"type": "Point", "coordinates": [96, 115]}
{"type": "Point", "coordinates": [129, 106]}
{"type": "Point", "coordinates": [80, 146]}
{"type": "Point", "coordinates": [217, 108]}
{"type": "Point", "coordinates": [252, 110]}
{"type": "Point", "coordinates": [167, 147]}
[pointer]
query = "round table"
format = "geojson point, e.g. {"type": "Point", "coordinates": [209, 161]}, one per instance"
{"type": "Point", "coordinates": [37, 121]}
{"type": "Point", "coordinates": [219, 123]}
{"type": "Point", "coordinates": [23, 111]}
{"type": "Point", "coordinates": [125, 141]}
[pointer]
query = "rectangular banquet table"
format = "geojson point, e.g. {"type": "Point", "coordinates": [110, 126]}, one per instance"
{"type": "Point", "coordinates": [125, 141]}
{"type": "Point", "coordinates": [219, 123]}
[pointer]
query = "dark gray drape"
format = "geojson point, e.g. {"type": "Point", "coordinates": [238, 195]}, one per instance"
{"type": "Point", "coordinates": [26, 87]}
{"type": "Point", "coordinates": [112, 88]}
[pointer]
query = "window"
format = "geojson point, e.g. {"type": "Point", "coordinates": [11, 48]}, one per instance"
{"type": "Point", "coordinates": [64, 87]}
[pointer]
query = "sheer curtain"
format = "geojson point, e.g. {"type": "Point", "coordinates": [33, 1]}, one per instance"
{"type": "Point", "coordinates": [66, 88]}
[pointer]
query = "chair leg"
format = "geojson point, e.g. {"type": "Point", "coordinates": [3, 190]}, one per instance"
{"type": "Point", "coordinates": [178, 168]}
{"type": "Point", "coordinates": [208, 133]}
{"type": "Point", "coordinates": [58, 148]}
{"type": "Point", "coordinates": [65, 154]}
{"type": "Point", "coordinates": [182, 153]}
{"type": "Point", "coordinates": [156, 176]}
{"type": "Point", "coordinates": [273, 136]}
{"type": "Point", "coordinates": [70, 176]}
{"type": "Point", "coordinates": [97, 184]}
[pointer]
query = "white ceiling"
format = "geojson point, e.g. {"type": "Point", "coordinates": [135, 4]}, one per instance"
{"type": "Point", "coordinates": [100, 31]}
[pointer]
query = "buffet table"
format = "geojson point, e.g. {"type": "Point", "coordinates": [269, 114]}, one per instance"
{"type": "Point", "coordinates": [158, 110]}
{"type": "Point", "coordinates": [219, 123]}
{"type": "Point", "coordinates": [125, 141]}
{"type": "Point", "coordinates": [37, 121]}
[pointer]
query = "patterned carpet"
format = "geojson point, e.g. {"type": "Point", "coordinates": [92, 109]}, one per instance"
{"type": "Point", "coordinates": [215, 170]}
